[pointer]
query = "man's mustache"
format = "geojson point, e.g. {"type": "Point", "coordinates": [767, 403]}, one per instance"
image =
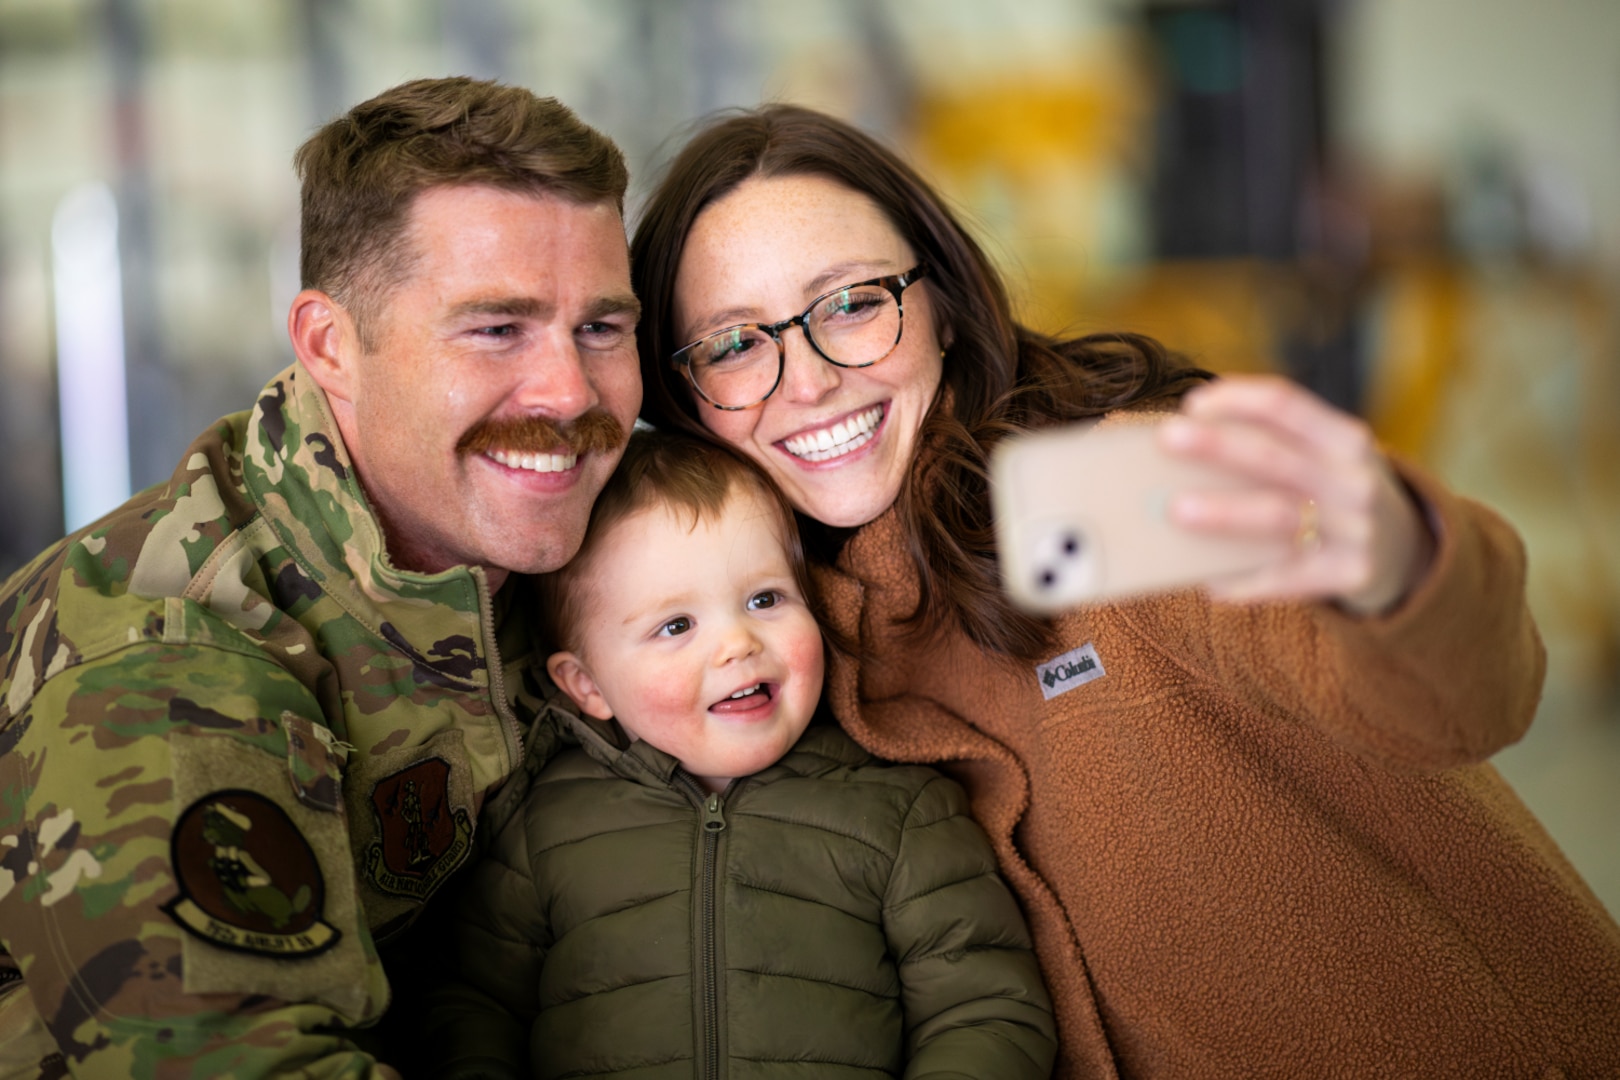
{"type": "Point", "coordinates": [594, 431]}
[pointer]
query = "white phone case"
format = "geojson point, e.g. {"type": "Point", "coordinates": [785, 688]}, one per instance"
{"type": "Point", "coordinates": [1081, 517]}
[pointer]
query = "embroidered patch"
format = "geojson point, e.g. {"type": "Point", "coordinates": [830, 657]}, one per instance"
{"type": "Point", "coordinates": [248, 879]}
{"type": "Point", "coordinates": [421, 840]}
{"type": "Point", "coordinates": [1074, 668]}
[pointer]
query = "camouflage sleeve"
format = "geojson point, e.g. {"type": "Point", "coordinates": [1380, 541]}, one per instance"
{"type": "Point", "coordinates": [27, 1051]}
{"type": "Point", "coordinates": [176, 886]}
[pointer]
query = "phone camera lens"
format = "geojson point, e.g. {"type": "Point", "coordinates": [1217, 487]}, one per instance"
{"type": "Point", "coordinates": [1071, 544]}
{"type": "Point", "coordinates": [1047, 579]}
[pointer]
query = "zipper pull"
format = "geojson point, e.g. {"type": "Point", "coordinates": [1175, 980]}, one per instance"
{"type": "Point", "coordinates": [714, 817]}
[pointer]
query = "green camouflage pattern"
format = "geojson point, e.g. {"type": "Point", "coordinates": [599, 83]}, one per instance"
{"type": "Point", "coordinates": [237, 627]}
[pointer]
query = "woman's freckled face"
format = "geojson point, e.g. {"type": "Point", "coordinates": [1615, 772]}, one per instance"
{"type": "Point", "coordinates": [762, 253]}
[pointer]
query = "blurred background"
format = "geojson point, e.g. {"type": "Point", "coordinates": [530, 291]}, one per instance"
{"type": "Point", "coordinates": [1413, 208]}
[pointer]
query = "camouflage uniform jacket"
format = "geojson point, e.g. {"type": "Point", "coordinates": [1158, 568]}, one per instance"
{"type": "Point", "coordinates": [236, 746]}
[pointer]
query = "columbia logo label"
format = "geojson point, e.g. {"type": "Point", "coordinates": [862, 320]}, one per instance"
{"type": "Point", "coordinates": [1070, 670]}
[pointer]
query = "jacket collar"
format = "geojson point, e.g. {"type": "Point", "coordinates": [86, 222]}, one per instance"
{"type": "Point", "coordinates": [821, 748]}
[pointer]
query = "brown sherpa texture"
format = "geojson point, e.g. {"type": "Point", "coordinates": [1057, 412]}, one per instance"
{"type": "Point", "coordinates": [1266, 842]}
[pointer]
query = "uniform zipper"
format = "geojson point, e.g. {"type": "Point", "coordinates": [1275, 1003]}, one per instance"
{"type": "Point", "coordinates": [713, 824]}
{"type": "Point", "coordinates": [497, 674]}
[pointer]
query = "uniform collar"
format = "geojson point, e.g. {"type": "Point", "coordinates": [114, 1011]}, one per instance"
{"type": "Point", "coordinates": [299, 473]}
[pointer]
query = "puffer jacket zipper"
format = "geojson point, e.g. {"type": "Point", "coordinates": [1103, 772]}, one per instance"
{"type": "Point", "coordinates": [713, 809]}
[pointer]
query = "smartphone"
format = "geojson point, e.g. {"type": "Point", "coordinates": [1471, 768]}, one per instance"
{"type": "Point", "coordinates": [1081, 517]}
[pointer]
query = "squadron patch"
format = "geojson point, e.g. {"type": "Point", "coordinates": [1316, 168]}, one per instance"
{"type": "Point", "coordinates": [248, 879]}
{"type": "Point", "coordinates": [421, 840]}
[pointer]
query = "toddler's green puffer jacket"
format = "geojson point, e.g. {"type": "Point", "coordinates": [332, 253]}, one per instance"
{"type": "Point", "coordinates": [831, 916]}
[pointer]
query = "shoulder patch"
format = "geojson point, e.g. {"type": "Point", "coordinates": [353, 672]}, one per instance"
{"type": "Point", "coordinates": [421, 838]}
{"type": "Point", "coordinates": [248, 879]}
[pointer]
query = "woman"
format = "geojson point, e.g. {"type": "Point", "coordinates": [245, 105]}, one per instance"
{"type": "Point", "coordinates": [1261, 839]}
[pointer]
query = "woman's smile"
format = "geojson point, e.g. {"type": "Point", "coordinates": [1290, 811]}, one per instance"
{"type": "Point", "coordinates": [838, 439]}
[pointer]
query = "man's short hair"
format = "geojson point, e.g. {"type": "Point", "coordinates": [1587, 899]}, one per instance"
{"type": "Point", "coordinates": [362, 172]}
{"type": "Point", "coordinates": [692, 478]}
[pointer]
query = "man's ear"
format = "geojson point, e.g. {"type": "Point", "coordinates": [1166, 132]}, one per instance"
{"type": "Point", "coordinates": [326, 340]}
{"type": "Point", "coordinates": [568, 672]}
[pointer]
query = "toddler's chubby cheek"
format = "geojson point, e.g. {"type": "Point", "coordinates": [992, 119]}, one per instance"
{"type": "Point", "coordinates": [674, 700]}
{"type": "Point", "coordinates": [808, 659]}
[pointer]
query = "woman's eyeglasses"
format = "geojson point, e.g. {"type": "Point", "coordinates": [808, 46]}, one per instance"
{"type": "Point", "coordinates": [853, 326]}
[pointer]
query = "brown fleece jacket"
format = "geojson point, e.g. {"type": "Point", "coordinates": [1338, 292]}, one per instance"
{"type": "Point", "coordinates": [1261, 840]}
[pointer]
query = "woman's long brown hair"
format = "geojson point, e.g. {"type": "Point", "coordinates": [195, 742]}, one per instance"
{"type": "Point", "coordinates": [999, 377]}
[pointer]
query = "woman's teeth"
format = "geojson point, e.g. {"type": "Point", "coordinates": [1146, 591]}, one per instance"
{"type": "Point", "coordinates": [535, 462]}
{"type": "Point", "coordinates": [835, 441]}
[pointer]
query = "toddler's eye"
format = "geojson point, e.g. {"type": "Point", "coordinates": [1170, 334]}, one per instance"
{"type": "Point", "coordinates": [680, 624]}
{"type": "Point", "coordinates": [766, 599]}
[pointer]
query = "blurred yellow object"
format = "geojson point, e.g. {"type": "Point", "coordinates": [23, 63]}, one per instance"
{"type": "Point", "coordinates": [1224, 314]}
{"type": "Point", "coordinates": [1023, 126]}
{"type": "Point", "coordinates": [1421, 328]}
{"type": "Point", "coordinates": [1041, 160]}
{"type": "Point", "coordinates": [1502, 377]}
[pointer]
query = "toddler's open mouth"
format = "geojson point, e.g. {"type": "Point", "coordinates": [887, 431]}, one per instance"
{"type": "Point", "coordinates": [746, 699]}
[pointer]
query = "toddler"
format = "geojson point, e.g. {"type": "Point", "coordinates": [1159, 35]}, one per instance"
{"type": "Point", "coordinates": [704, 882]}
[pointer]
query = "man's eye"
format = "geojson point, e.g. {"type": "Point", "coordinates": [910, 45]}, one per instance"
{"type": "Point", "coordinates": [505, 330]}
{"type": "Point", "coordinates": [767, 599]}
{"type": "Point", "coordinates": [676, 626]}
{"type": "Point", "coordinates": [603, 333]}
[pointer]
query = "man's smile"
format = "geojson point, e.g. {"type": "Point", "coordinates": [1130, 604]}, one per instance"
{"type": "Point", "coordinates": [534, 462]}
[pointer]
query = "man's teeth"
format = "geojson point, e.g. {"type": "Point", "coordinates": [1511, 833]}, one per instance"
{"type": "Point", "coordinates": [838, 440]}
{"type": "Point", "coordinates": [535, 462]}
{"type": "Point", "coordinates": [747, 691]}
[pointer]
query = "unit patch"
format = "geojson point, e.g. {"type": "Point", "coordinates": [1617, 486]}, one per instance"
{"type": "Point", "coordinates": [248, 879]}
{"type": "Point", "coordinates": [421, 840]}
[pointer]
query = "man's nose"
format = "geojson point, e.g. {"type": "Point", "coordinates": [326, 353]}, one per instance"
{"type": "Point", "coordinates": [806, 376]}
{"type": "Point", "coordinates": [556, 380]}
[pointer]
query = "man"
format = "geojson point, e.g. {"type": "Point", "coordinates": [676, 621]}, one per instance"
{"type": "Point", "coordinates": [248, 720]}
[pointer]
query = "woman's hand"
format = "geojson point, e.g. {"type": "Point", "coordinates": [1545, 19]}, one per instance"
{"type": "Point", "coordinates": [1358, 537]}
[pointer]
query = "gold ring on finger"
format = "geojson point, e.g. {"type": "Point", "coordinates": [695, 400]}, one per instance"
{"type": "Point", "coordinates": [1308, 537]}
